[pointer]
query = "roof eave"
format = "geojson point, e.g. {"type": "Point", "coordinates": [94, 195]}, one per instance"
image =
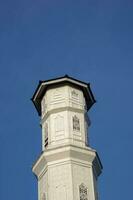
{"type": "Point", "coordinates": [42, 87]}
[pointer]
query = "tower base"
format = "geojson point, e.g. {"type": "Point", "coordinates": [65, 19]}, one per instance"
{"type": "Point", "coordinates": [68, 173]}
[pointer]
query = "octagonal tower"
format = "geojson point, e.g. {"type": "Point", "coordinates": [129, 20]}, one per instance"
{"type": "Point", "coordinates": [68, 167]}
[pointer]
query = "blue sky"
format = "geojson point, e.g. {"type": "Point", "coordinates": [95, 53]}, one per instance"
{"type": "Point", "coordinates": [90, 40]}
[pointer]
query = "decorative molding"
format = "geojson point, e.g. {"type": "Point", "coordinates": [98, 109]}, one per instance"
{"type": "Point", "coordinates": [57, 94]}
{"type": "Point", "coordinates": [59, 123]}
{"type": "Point", "coordinates": [56, 110]}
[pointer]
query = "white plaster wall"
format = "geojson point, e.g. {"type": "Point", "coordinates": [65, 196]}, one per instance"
{"type": "Point", "coordinates": [54, 98]}
{"type": "Point", "coordinates": [60, 129]}
{"type": "Point", "coordinates": [43, 187]}
{"type": "Point", "coordinates": [63, 96]}
{"type": "Point", "coordinates": [82, 174]}
{"type": "Point", "coordinates": [61, 171]}
{"type": "Point", "coordinates": [60, 182]}
{"type": "Point", "coordinates": [95, 186]}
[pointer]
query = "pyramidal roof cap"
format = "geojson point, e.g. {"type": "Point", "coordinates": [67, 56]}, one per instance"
{"type": "Point", "coordinates": [43, 86]}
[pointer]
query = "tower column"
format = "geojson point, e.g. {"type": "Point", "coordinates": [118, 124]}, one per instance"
{"type": "Point", "coordinates": [68, 167]}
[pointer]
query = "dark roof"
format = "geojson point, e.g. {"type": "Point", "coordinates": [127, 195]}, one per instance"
{"type": "Point", "coordinates": [85, 87]}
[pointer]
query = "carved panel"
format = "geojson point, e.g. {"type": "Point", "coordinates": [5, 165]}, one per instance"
{"type": "Point", "coordinates": [74, 94]}
{"type": "Point", "coordinates": [76, 123]}
{"type": "Point", "coordinates": [59, 123]}
{"type": "Point", "coordinates": [83, 192]}
{"type": "Point", "coordinates": [57, 94]}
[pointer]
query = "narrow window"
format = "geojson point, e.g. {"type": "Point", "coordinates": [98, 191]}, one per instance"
{"type": "Point", "coordinates": [83, 194]}
{"type": "Point", "coordinates": [46, 134]}
{"type": "Point", "coordinates": [76, 123]}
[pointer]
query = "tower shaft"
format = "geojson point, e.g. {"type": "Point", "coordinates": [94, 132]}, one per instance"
{"type": "Point", "coordinates": [68, 167]}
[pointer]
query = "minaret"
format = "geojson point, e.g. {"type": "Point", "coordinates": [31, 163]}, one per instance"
{"type": "Point", "coordinates": [68, 167]}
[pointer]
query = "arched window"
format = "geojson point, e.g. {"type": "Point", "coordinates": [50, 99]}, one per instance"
{"type": "Point", "coordinates": [83, 193]}
{"type": "Point", "coordinates": [76, 123]}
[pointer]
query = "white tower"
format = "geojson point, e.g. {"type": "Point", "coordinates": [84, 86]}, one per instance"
{"type": "Point", "coordinates": [67, 168]}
